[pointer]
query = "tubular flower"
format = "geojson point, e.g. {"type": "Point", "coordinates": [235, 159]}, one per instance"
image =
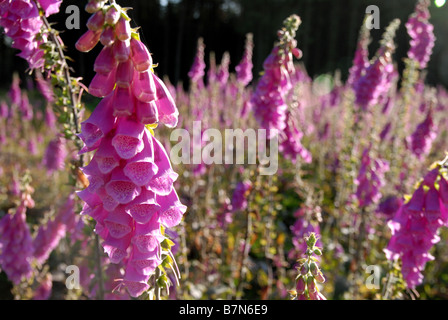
{"type": "Point", "coordinates": [244, 68]}
{"type": "Point", "coordinates": [16, 245]}
{"type": "Point", "coordinates": [131, 194]}
{"type": "Point", "coordinates": [415, 227]}
{"type": "Point", "coordinates": [421, 32]}
{"type": "Point", "coordinates": [269, 99]}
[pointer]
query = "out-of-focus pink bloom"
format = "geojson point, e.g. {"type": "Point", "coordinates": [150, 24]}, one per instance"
{"type": "Point", "coordinates": [197, 72]}
{"type": "Point", "coordinates": [290, 145]}
{"type": "Point", "coordinates": [223, 71]}
{"type": "Point", "coordinates": [16, 245]}
{"type": "Point", "coordinates": [244, 68]}
{"type": "Point", "coordinates": [240, 194]}
{"type": "Point", "coordinates": [421, 32]}
{"type": "Point", "coordinates": [361, 59]}
{"type": "Point", "coordinates": [50, 6]}
{"type": "Point", "coordinates": [423, 136]}
{"type": "Point", "coordinates": [55, 154]}
{"type": "Point", "coordinates": [370, 179]}
{"type": "Point", "coordinates": [22, 23]}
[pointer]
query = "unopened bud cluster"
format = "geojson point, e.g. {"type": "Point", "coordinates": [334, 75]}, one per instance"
{"type": "Point", "coordinates": [309, 273]}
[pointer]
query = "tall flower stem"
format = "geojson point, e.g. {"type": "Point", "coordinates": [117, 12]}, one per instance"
{"type": "Point", "coordinates": [99, 267]}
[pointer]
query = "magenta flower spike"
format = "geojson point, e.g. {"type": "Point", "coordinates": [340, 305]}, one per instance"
{"type": "Point", "coordinates": [4, 110]}
{"type": "Point", "coordinates": [16, 245]}
{"type": "Point", "coordinates": [268, 100]}
{"type": "Point", "coordinates": [55, 154]}
{"type": "Point", "coordinates": [48, 237]}
{"type": "Point", "coordinates": [422, 138]}
{"type": "Point", "coordinates": [197, 72]}
{"type": "Point", "coordinates": [421, 32]}
{"type": "Point", "coordinates": [88, 41]}
{"type": "Point", "coordinates": [140, 56]}
{"type": "Point", "coordinates": [130, 193]}
{"type": "Point", "coordinates": [415, 228]}
{"type": "Point", "coordinates": [244, 68]}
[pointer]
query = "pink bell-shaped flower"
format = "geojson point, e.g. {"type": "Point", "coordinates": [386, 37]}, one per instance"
{"type": "Point", "coordinates": [144, 86]}
{"type": "Point", "coordinates": [128, 138]}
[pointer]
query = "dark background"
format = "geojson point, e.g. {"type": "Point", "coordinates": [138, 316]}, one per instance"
{"type": "Point", "coordinates": [170, 29]}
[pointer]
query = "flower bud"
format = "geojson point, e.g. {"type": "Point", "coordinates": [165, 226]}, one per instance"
{"type": "Point", "coordinates": [93, 6]}
{"type": "Point", "coordinates": [311, 284]}
{"type": "Point", "coordinates": [125, 73]}
{"type": "Point", "coordinates": [123, 104]}
{"type": "Point", "coordinates": [107, 36]}
{"type": "Point", "coordinates": [96, 21]}
{"type": "Point", "coordinates": [102, 84]}
{"type": "Point", "coordinates": [105, 62]}
{"type": "Point", "coordinates": [144, 87]}
{"type": "Point", "coordinates": [314, 268]}
{"type": "Point", "coordinates": [123, 29]}
{"type": "Point", "coordinates": [305, 268]}
{"type": "Point", "coordinates": [147, 112]}
{"type": "Point", "coordinates": [122, 50]}
{"type": "Point", "coordinates": [311, 241]}
{"type": "Point", "coordinates": [88, 41]}
{"type": "Point", "coordinates": [112, 16]}
{"type": "Point", "coordinates": [317, 251]}
{"type": "Point", "coordinates": [320, 277]}
{"type": "Point", "coordinates": [140, 56]}
{"type": "Point", "coordinates": [301, 285]}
